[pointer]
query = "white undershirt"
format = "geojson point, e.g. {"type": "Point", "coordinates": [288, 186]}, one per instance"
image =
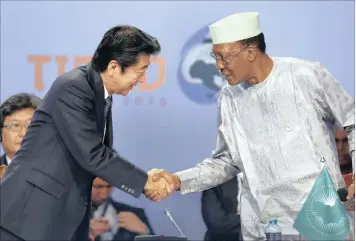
{"type": "Point", "coordinates": [8, 160]}
{"type": "Point", "coordinates": [106, 95]}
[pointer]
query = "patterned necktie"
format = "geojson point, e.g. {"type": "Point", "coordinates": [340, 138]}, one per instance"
{"type": "Point", "coordinates": [107, 107]}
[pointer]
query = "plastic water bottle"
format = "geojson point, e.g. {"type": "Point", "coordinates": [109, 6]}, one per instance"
{"type": "Point", "coordinates": [273, 231]}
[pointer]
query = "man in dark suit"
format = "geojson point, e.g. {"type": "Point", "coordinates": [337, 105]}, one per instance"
{"type": "Point", "coordinates": [219, 209]}
{"type": "Point", "coordinates": [112, 220]}
{"type": "Point", "coordinates": [16, 113]}
{"type": "Point", "coordinates": [46, 190]}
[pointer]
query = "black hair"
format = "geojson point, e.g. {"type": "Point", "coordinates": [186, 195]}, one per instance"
{"type": "Point", "coordinates": [124, 44]}
{"type": "Point", "coordinates": [17, 102]}
{"type": "Point", "coordinates": [258, 41]}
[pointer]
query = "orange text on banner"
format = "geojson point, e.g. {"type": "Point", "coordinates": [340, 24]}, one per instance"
{"type": "Point", "coordinates": [61, 61]}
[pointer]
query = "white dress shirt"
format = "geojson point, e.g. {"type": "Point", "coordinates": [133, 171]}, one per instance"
{"type": "Point", "coordinates": [106, 95]}
{"type": "Point", "coordinates": [8, 160]}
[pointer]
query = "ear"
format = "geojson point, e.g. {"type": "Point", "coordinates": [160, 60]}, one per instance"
{"type": "Point", "coordinates": [251, 53]}
{"type": "Point", "coordinates": [113, 68]}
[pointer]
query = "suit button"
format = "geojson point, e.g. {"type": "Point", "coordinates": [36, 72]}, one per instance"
{"type": "Point", "coordinates": [86, 203]}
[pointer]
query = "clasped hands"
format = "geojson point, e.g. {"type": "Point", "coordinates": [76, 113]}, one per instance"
{"type": "Point", "coordinates": [160, 184]}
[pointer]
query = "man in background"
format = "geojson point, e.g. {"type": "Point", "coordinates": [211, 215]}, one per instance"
{"type": "Point", "coordinates": [345, 161]}
{"type": "Point", "coordinates": [220, 211]}
{"type": "Point", "coordinates": [112, 220]}
{"type": "Point", "coordinates": [342, 146]}
{"type": "Point", "coordinates": [16, 113]}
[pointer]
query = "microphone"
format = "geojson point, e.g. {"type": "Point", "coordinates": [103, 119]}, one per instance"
{"type": "Point", "coordinates": [168, 214]}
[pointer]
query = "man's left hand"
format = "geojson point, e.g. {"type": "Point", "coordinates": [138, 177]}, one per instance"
{"type": "Point", "coordinates": [131, 222]}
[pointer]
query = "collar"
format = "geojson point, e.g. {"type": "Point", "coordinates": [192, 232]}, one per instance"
{"type": "Point", "coordinates": [106, 94]}
{"type": "Point", "coordinates": [96, 81]}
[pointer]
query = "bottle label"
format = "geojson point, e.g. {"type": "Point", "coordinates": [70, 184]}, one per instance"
{"type": "Point", "coordinates": [273, 236]}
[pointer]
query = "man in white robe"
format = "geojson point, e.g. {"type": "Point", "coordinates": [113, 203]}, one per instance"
{"type": "Point", "coordinates": [276, 122]}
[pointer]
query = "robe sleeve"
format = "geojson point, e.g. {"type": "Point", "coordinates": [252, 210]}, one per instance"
{"type": "Point", "coordinates": [338, 105]}
{"type": "Point", "coordinates": [218, 168]}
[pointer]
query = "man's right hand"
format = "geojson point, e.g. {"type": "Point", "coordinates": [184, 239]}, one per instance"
{"type": "Point", "coordinates": [160, 177]}
{"type": "Point", "coordinates": [99, 226]}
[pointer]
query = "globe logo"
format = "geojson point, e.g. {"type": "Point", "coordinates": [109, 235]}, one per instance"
{"type": "Point", "coordinates": [198, 77]}
{"type": "Point", "coordinates": [321, 215]}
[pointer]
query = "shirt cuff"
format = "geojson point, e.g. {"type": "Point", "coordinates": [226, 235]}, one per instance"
{"type": "Point", "coordinates": [188, 181]}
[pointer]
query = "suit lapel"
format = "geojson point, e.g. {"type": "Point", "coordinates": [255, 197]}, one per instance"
{"type": "Point", "coordinates": [97, 83]}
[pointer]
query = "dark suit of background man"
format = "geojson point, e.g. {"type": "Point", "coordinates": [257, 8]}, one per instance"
{"type": "Point", "coordinates": [113, 220]}
{"type": "Point", "coordinates": [219, 210]}
{"type": "Point", "coordinates": [16, 113]}
{"type": "Point", "coordinates": [46, 190]}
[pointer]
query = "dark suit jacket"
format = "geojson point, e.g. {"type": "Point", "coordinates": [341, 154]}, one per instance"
{"type": "Point", "coordinates": [219, 208]}
{"type": "Point", "coordinates": [124, 234]}
{"type": "Point", "coordinates": [46, 191]}
{"type": "Point", "coordinates": [3, 160]}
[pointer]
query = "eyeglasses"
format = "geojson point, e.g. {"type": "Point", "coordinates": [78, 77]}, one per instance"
{"type": "Point", "coordinates": [228, 59]}
{"type": "Point", "coordinates": [16, 126]}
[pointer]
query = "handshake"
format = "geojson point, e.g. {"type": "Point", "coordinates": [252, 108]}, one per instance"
{"type": "Point", "coordinates": [160, 184]}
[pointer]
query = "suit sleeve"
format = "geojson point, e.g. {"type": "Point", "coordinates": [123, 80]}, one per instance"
{"type": "Point", "coordinates": [74, 116]}
{"type": "Point", "coordinates": [337, 105]}
{"type": "Point", "coordinates": [217, 220]}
